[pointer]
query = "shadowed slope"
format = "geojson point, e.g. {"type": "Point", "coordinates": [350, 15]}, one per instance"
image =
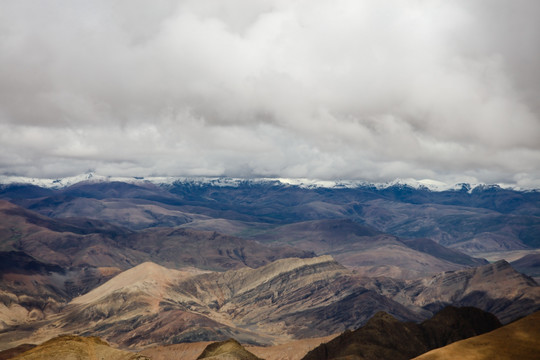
{"type": "Point", "coordinates": [30, 289]}
{"type": "Point", "coordinates": [368, 250]}
{"type": "Point", "coordinates": [384, 337]}
{"type": "Point", "coordinates": [528, 264]}
{"type": "Point", "coordinates": [518, 340]}
{"type": "Point", "coordinates": [496, 288]}
{"type": "Point", "coordinates": [83, 242]}
{"type": "Point", "coordinates": [289, 298]}
{"type": "Point", "coordinates": [284, 300]}
{"type": "Point", "coordinates": [206, 249]}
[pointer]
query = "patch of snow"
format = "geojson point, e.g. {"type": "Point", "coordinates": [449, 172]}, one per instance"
{"type": "Point", "coordinates": [427, 184]}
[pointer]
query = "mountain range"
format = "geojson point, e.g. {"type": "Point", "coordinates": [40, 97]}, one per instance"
{"type": "Point", "coordinates": [144, 263]}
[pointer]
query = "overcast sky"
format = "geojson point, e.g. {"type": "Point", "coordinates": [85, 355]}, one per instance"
{"type": "Point", "coordinates": [324, 89]}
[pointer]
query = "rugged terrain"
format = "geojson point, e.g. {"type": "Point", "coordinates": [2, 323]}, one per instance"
{"type": "Point", "coordinates": [227, 350]}
{"type": "Point", "coordinates": [518, 340]}
{"type": "Point", "coordinates": [291, 350]}
{"type": "Point", "coordinates": [288, 299]}
{"type": "Point", "coordinates": [76, 347]}
{"type": "Point", "coordinates": [144, 264]}
{"type": "Point", "coordinates": [479, 219]}
{"type": "Point", "coordinates": [384, 337]}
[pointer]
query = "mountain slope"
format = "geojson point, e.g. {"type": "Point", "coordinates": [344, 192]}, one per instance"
{"type": "Point", "coordinates": [290, 350]}
{"type": "Point", "coordinates": [56, 242]}
{"type": "Point", "coordinates": [227, 350]}
{"type": "Point", "coordinates": [205, 249]}
{"type": "Point", "coordinates": [31, 290]}
{"type": "Point", "coordinates": [75, 347]}
{"type": "Point", "coordinates": [486, 218]}
{"type": "Point", "coordinates": [528, 264]}
{"type": "Point", "coordinates": [496, 288]}
{"type": "Point", "coordinates": [518, 340]}
{"type": "Point", "coordinates": [284, 300]}
{"type": "Point", "coordinates": [83, 242]}
{"type": "Point", "coordinates": [289, 298]}
{"type": "Point", "coordinates": [369, 251]}
{"type": "Point", "coordinates": [384, 337]}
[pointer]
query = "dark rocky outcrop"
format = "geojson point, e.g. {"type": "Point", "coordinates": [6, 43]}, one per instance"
{"type": "Point", "coordinates": [384, 337]}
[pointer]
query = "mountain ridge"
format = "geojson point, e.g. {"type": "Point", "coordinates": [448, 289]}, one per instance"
{"type": "Point", "coordinates": [425, 184]}
{"type": "Point", "coordinates": [384, 337]}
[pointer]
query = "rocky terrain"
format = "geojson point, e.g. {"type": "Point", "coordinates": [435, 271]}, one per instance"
{"type": "Point", "coordinates": [76, 347]}
{"type": "Point", "coordinates": [97, 244]}
{"type": "Point", "coordinates": [288, 299]}
{"type": "Point", "coordinates": [31, 290]}
{"type": "Point", "coordinates": [496, 288]}
{"type": "Point", "coordinates": [528, 264]}
{"type": "Point", "coordinates": [368, 250]}
{"type": "Point", "coordinates": [150, 304]}
{"type": "Point", "coordinates": [518, 340]}
{"type": "Point", "coordinates": [474, 220]}
{"type": "Point", "coordinates": [227, 350]}
{"type": "Point", "coordinates": [384, 337]}
{"type": "Point", "coordinates": [290, 350]}
{"type": "Point", "coordinates": [144, 265]}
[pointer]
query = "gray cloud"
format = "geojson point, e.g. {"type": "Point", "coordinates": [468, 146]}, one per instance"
{"type": "Point", "coordinates": [317, 89]}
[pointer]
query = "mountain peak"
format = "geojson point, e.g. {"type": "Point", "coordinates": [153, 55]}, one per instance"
{"type": "Point", "coordinates": [223, 181]}
{"type": "Point", "coordinates": [148, 278]}
{"type": "Point", "coordinates": [227, 350]}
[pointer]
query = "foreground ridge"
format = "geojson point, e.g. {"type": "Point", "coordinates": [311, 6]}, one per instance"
{"type": "Point", "coordinates": [385, 337]}
{"type": "Point", "coordinates": [227, 350]}
{"type": "Point", "coordinates": [518, 340]}
{"type": "Point", "coordinates": [77, 347]}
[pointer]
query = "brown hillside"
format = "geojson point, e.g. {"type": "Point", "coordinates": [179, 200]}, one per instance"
{"type": "Point", "coordinates": [76, 347]}
{"type": "Point", "coordinates": [518, 340]}
{"type": "Point", "coordinates": [227, 350]}
{"type": "Point", "coordinates": [291, 350]}
{"type": "Point", "coordinates": [384, 337]}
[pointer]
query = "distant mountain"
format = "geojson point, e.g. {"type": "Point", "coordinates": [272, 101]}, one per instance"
{"type": "Point", "coordinates": [518, 340]}
{"type": "Point", "coordinates": [32, 290]}
{"type": "Point", "coordinates": [528, 264]}
{"type": "Point", "coordinates": [67, 242]}
{"type": "Point", "coordinates": [496, 288]}
{"type": "Point", "coordinates": [472, 220]}
{"type": "Point", "coordinates": [369, 251]}
{"type": "Point", "coordinates": [210, 259]}
{"type": "Point", "coordinates": [287, 299]}
{"type": "Point", "coordinates": [76, 241]}
{"type": "Point", "coordinates": [384, 337]}
{"type": "Point", "coordinates": [430, 247]}
{"type": "Point", "coordinates": [424, 184]}
{"type": "Point", "coordinates": [206, 249]}
{"type": "Point", "coordinates": [57, 242]}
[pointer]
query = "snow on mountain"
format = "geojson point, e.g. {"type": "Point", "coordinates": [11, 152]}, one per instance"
{"type": "Point", "coordinates": [426, 184]}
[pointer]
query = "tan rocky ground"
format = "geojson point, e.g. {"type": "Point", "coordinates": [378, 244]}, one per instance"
{"type": "Point", "coordinates": [292, 350]}
{"type": "Point", "coordinates": [80, 348]}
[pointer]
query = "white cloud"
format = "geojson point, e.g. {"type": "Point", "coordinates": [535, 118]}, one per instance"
{"type": "Point", "coordinates": [313, 89]}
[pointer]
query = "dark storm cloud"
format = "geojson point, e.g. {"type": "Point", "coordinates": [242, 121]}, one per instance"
{"type": "Point", "coordinates": [371, 90]}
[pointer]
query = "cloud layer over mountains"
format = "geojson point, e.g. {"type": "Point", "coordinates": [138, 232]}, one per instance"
{"type": "Point", "coordinates": [319, 89]}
